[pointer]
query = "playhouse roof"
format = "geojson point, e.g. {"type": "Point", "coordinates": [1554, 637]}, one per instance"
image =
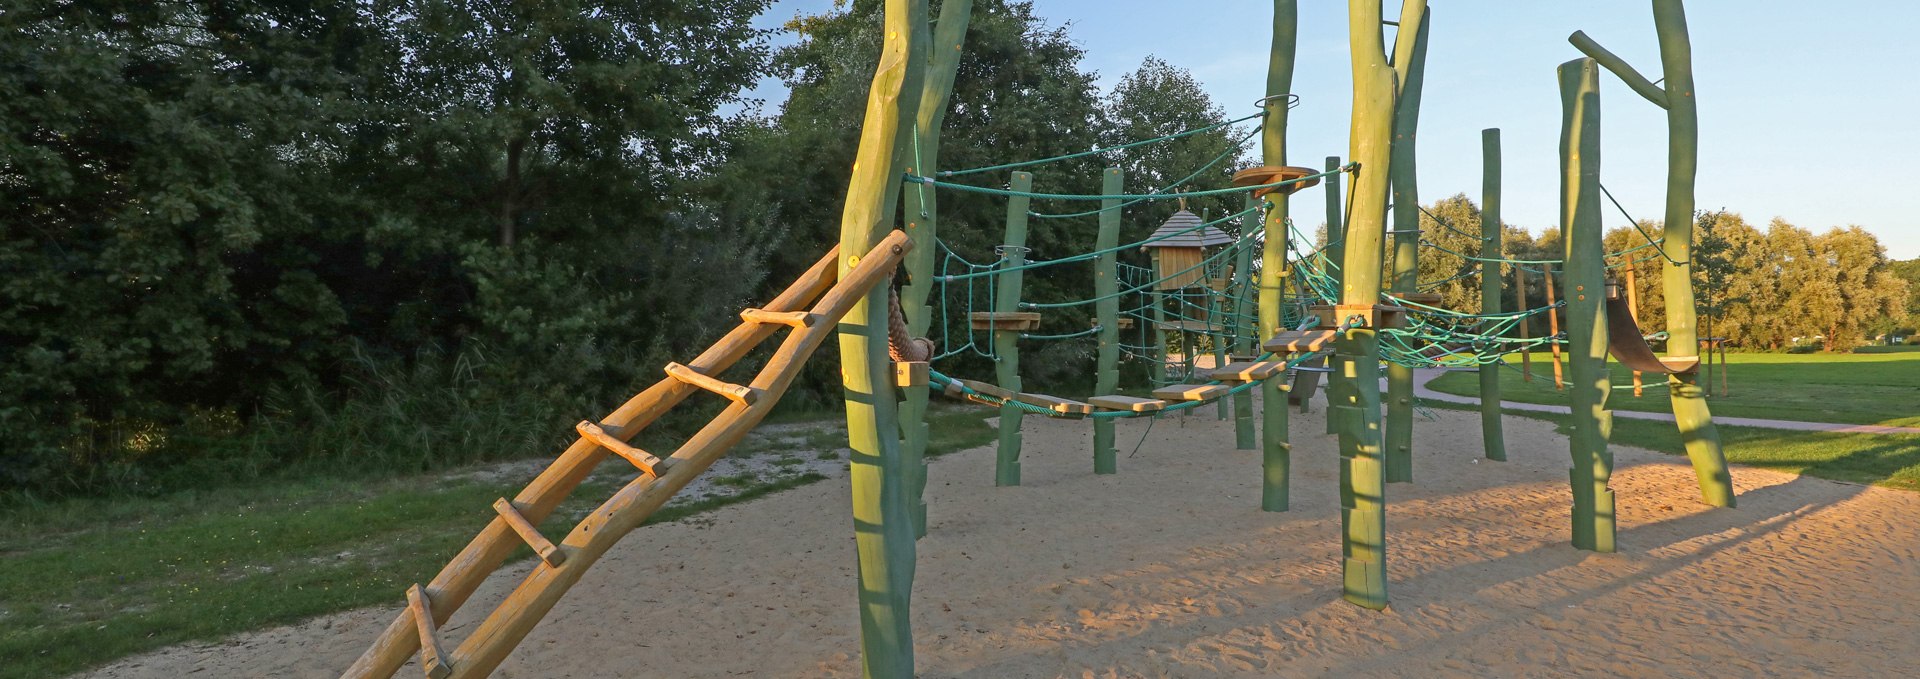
{"type": "Point", "coordinates": [1184, 221]}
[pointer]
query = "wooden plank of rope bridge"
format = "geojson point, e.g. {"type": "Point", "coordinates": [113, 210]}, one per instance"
{"type": "Point", "coordinates": [1056, 404]}
{"type": "Point", "coordinates": [1300, 341]}
{"type": "Point", "coordinates": [433, 655]}
{"type": "Point", "coordinates": [735, 392]}
{"type": "Point", "coordinates": [640, 458]}
{"type": "Point", "coordinates": [1004, 320]}
{"type": "Point", "coordinates": [989, 388]}
{"type": "Point", "coordinates": [1191, 392]}
{"type": "Point", "coordinates": [797, 319]}
{"type": "Point", "coordinates": [1127, 403]}
{"type": "Point", "coordinates": [1252, 371]}
{"type": "Point", "coordinates": [519, 523]}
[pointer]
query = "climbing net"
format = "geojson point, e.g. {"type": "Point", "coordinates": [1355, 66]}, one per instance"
{"type": "Point", "coordinates": [1218, 315]}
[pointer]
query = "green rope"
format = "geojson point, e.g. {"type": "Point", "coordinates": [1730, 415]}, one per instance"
{"type": "Point", "coordinates": [1109, 149]}
{"type": "Point", "coordinates": [1124, 196]}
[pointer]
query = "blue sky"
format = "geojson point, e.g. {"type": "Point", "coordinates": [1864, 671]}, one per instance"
{"type": "Point", "coordinates": [1801, 104]}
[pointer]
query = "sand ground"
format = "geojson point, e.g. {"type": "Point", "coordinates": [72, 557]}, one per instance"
{"type": "Point", "coordinates": [1169, 569]}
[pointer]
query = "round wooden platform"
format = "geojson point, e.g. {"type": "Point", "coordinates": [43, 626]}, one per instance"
{"type": "Point", "coordinates": [1267, 174]}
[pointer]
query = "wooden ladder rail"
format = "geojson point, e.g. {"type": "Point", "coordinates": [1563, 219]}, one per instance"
{"type": "Point", "coordinates": [463, 575]}
{"type": "Point", "coordinates": [509, 623]}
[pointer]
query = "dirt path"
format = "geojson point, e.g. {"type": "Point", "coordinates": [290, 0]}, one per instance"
{"type": "Point", "coordinates": [1168, 570]}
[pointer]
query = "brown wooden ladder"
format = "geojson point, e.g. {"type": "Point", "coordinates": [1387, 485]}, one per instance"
{"type": "Point", "coordinates": [810, 308]}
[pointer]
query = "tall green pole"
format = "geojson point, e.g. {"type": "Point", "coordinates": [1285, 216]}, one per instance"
{"type": "Point", "coordinates": [1353, 394]}
{"type": "Point", "coordinates": [1006, 342]}
{"type": "Point", "coordinates": [1583, 289]}
{"type": "Point", "coordinates": [1244, 436]}
{"type": "Point", "coordinates": [1276, 454]}
{"type": "Point", "coordinates": [883, 525]}
{"type": "Point", "coordinates": [1410, 64]}
{"type": "Point", "coordinates": [1336, 254]}
{"type": "Point", "coordinates": [1491, 435]}
{"type": "Point", "coordinates": [1676, 95]}
{"type": "Point", "coordinates": [1106, 286]}
{"type": "Point", "coordinates": [922, 215]}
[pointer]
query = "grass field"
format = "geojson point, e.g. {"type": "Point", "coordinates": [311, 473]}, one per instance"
{"type": "Point", "coordinates": [1867, 387]}
{"type": "Point", "coordinates": [83, 582]}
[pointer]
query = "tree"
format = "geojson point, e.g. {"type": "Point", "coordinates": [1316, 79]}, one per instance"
{"type": "Point", "coordinates": [1868, 292]}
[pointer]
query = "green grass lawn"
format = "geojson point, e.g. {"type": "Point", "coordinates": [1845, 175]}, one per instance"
{"type": "Point", "coordinates": [86, 581]}
{"type": "Point", "coordinates": [1880, 385]}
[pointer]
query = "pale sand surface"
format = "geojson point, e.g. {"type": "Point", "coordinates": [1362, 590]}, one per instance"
{"type": "Point", "coordinates": [1169, 569]}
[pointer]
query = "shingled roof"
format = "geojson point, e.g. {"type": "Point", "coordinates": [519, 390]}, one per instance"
{"type": "Point", "coordinates": [1192, 238]}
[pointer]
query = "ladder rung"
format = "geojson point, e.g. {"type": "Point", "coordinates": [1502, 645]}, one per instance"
{"type": "Point", "coordinates": [798, 319]}
{"type": "Point", "coordinates": [644, 460]}
{"type": "Point", "coordinates": [744, 395]}
{"type": "Point", "coordinates": [433, 656]}
{"type": "Point", "coordinates": [519, 523]}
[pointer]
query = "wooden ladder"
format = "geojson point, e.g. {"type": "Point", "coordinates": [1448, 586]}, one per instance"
{"type": "Point", "coordinates": [810, 308]}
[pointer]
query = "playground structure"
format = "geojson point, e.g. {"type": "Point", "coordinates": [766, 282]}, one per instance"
{"type": "Point", "coordinates": [1309, 310]}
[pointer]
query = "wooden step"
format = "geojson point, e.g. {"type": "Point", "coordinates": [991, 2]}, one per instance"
{"type": "Point", "coordinates": [1127, 403]}
{"type": "Point", "coordinates": [1252, 371]}
{"type": "Point", "coordinates": [646, 461]}
{"type": "Point", "coordinates": [1300, 341]}
{"type": "Point", "coordinates": [739, 394]}
{"type": "Point", "coordinates": [1191, 392]}
{"type": "Point", "coordinates": [988, 388]}
{"type": "Point", "coordinates": [433, 654]}
{"type": "Point", "coordinates": [1004, 320]}
{"type": "Point", "coordinates": [798, 319]}
{"type": "Point", "coordinates": [519, 523]}
{"type": "Point", "coordinates": [1056, 404]}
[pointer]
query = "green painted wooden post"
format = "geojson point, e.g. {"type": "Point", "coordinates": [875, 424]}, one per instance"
{"type": "Point", "coordinates": [1410, 60]}
{"type": "Point", "coordinates": [883, 526]}
{"type": "Point", "coordinates": [1336, 252]}
{"type": "Point", "coordinates": [1106, 284]}
{"type": "Point", "coordinates": [1156, 316]}
{"type": "Point", "coordinates": [1492, 437]}
{"type": "Point", "coordinates": [1244, 436]}
{"type": "Point", "coordinates": [1006, 343]}
{"type": "Point", "coordinates": [1276, 451]}
{"type": "Point", "coordinates": [923, 221]}
{"type": "Point", "coordinates": [1354, 391]}
{"type": "Point", "coordinates": [1583, 288]}
{"type": "Point", "coordinates": [1676, 95]}
{"type": "Point", "coordinates": [1220, 330]}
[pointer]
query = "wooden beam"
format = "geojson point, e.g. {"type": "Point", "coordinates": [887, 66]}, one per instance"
{"type": "Point", "coordinates": [741, 394]}
{"type": "Point", "coordinates": [433, 655]}
{"type": "Point", "coordinates": [640, 458]}
{"type": "Point", "coordinates": [528, 532]}
{"type": "Point", "coordinates": [797, 319]}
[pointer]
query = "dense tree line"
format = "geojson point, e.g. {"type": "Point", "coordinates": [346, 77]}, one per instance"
{"type": "Point", "coordinates": [249, 235]}
{"type": "Point", "coordinates": [1761, 290]}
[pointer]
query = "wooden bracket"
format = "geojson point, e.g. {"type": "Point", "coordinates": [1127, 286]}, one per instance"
{"type": "Point", "coordinates": [433, 655]}
{"type": "Point", "coordinates": [910, 374]}
{"type": "Point", "coordinates": [519, 523]}
{"type": "Point", "coordinates": [797, 319]}
{"type": "Point", "coordinates": [739, 394]}
{"type": "Point", "coordinates": [1376, 316]}
{"type": "Point", "coordinates": [646, 461]}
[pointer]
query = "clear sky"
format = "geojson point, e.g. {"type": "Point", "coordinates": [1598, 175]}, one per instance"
{"type": "Point", "coordinates": [1806, 112]}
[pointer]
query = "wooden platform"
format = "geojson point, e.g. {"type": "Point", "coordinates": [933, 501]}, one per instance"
{"type": "Point", "coordinates": [1256, 176]}
{"type": "Point", "coordinates": [1300, 341]}
{"type": "Point", "coordinates": [1127, 403]}
{"type": "Point", "coordinates": [1016, 321]}
{"type": "Point", "coordinates": [1191, 392]}
{"type": "Point", "coordinates": [1251, 371]}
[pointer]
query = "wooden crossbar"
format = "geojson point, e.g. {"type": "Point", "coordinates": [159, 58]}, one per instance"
{"type": "Point", "coordinates": [433, 655]}
{"type": "Point", "coordinates": [1128, 403]}
{"type": "Point", "coordinates": [739, 394]}
{"type": "Point", "coordinates": [644, 460]}
{"type": "Point", "coordinates": [519, 523]}
{"type": "Point", "coordinates": [798, 319]}
{"type": "Point", "coordinates": [1299, 341]}
{"type": "Point", "coordinates": [1251, 371]}
{"type": "Point", "coordinates": [1191, 392]}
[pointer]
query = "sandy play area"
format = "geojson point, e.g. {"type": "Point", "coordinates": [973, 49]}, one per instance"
{"type": "Point", "coordinates": [1169, 570]}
